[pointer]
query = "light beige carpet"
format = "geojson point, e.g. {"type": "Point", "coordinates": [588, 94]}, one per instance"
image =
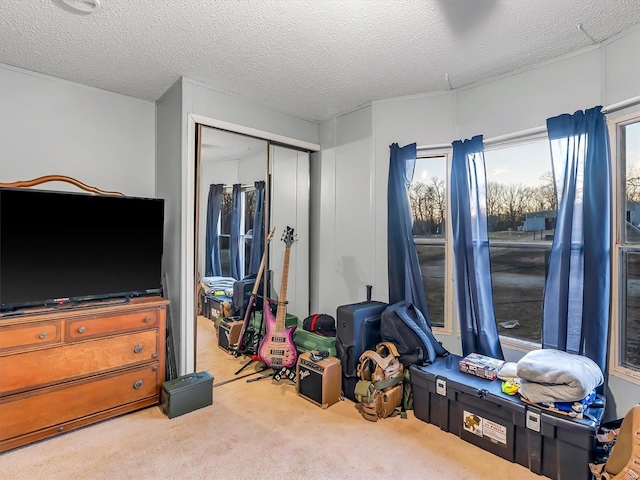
{"type": "Point", "coordinates": [259, 430]}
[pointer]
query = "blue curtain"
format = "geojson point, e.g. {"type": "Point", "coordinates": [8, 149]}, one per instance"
{"type": "Point", "coordinates": [212, 243]}
{"type": "Point", "coordinates": [234, 240]}
{"type": "Point", "coordinates": [471, 249]}
{"type": "Point", "coordinates": [405, 277]}
{"type": "Point", "coordinates": [576, 298]}
{"type": "Point", "coordinates": [257, 240]}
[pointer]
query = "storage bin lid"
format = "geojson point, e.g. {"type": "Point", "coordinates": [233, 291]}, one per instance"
{"type": "Point", "coordinates": [187, 382]}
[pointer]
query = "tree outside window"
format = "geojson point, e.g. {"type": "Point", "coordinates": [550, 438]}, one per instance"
{"type": "Point", "coordinates": [521, 217]}
{"type": "Point", "coordinates": [428, 200]}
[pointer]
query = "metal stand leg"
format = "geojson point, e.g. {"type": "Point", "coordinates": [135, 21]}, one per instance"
{"type": "Point", "coordinates": [254, 358]}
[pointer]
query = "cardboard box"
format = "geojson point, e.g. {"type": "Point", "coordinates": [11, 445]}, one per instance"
{"type": "Point", "coordinates": [480, 366]}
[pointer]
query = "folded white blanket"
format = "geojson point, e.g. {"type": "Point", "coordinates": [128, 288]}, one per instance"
{"type": "Point", "coordinates": [509, 371]}
{"type": "Point", "coordinates": [214, 284]}
{"type": "Point", "coordinates": [549, 375]}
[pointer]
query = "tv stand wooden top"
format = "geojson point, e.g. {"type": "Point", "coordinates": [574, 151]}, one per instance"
{"type": "Point", "coordinates": [89, 307]}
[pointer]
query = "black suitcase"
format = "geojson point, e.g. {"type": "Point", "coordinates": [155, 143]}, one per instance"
{"type": "Point", "coordinates": [357, 330]}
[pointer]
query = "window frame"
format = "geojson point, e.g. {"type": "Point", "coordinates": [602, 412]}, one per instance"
{"type": "Point", "coordinates": [615, 123]}
{"type": "Point", "coordinates": [449, 285]}
{"type": "Point", "coordinates": [243, 236]}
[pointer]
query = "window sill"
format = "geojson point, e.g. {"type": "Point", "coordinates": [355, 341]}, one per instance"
{"type": "Point", "coordinates": [626, 374]}
{"type": "Point", "coordinates": [519, 345]}
{"type": "Point", "coordinates": [446, 330]}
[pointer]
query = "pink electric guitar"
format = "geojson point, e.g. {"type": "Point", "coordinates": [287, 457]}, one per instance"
{"type": "Point", "coordinates": [277, 349]}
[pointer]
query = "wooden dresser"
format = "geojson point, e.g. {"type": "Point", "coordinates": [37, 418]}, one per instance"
{"type": "Point", "coordinates": [61, 370]}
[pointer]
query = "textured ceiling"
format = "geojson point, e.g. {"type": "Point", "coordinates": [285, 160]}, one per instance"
{"type": "Point", "coordinates": [310, 58]}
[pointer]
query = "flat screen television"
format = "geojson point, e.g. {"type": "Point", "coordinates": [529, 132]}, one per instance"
{"type": "Point", "coordinates": [63, 247]}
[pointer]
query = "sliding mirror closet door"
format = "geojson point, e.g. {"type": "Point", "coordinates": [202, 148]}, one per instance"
{"type": "Point", "coordinates": [226, 160]}
{"type": "Point", "coordinates": [289, 207]}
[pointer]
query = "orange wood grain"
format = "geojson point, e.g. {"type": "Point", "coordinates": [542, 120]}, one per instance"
{"type": "Point", "coordinates": [57, 178]}
{"type": "Point", "coordinates": [72, 381]}
{"type": "Point", "coordinates": [42, 409]}
{"type": "Point", "coordinates": [45, 333]}
{"type": "Point", "coordinates": [90, 327]}
{"type": "Point", "coordinates": [43, 367]}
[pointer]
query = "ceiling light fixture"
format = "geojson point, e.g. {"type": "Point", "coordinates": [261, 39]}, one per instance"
{"type": "Point", "coordinates": [83, 6]}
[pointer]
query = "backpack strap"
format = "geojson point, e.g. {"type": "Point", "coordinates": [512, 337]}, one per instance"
{"type": "Point", "coordinates": [383, 362]}
{"type": "Point", "coordinates": [388, 382]}
{"type": "Point", "coordinates": [389, 346]}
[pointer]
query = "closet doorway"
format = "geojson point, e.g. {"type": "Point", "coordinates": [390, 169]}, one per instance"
{"type": "Point", "coordinates": [226, 158]}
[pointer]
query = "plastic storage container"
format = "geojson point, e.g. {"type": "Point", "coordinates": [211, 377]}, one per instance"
{"type": "Point", "coordinates": [476, 410]}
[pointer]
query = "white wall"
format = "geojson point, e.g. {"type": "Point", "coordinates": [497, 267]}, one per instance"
{"type": "Point", "coordinates": [199, 100]}
{"type": "Point", "coordinates": [290, 208]}
{"type": "Point", "coordinates": [168, 140]}
{"type": "Point", "coordinates": [355, 156]}
{"type": "Point", "coordinates": [50, 126]}
{"type": "Point", "coordinates": [345, 259]}
{"type": "Point", "coordinates": [323, 222]}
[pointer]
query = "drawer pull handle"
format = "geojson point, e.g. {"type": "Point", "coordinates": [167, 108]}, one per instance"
{"type": "Point", "coordinates": [138, 384]}
{"type": "Point", "coordinates": [82, 329]}
{"type": "Point", "coordinates": [137, 349]}
{"type": "Point", "coordinates": [43, 335]}
{"type": "Point", "coordinates": [147, 319]}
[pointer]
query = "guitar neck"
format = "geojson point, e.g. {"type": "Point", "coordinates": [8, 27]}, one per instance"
{"type": "Point", "coordinates": [282, 302]}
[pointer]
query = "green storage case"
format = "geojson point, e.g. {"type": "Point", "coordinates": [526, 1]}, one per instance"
{"type": "Point", "coordinates": [306, 341]}
{"type": "Point", "coordinates": [289, 321]}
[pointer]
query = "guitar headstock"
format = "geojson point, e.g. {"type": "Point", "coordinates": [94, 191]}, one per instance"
{"type": "Point", "coordinates": [270, 235]}
{"type": "Point", "coordinates": [288, 237]}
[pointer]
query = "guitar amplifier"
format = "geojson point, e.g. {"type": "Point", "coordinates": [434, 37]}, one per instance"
{"type": "Point", "coordinates": [320, 381]}
{"type": "Point", "coordinates": [229, 333]}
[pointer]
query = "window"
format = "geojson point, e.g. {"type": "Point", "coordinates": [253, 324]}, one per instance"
{"type": "Point", "coordinates": [627, 141]}
{"type": "Point", "coordinates": [428, 200]}
{"type": "Point", "coordinates": [521, 217]}
{"type": "Point", "coordinates": [225, 230]}
{"type": "Point", "coordinates": [246, 229]}
{"type": "Point", "coordinates": [248, 200]}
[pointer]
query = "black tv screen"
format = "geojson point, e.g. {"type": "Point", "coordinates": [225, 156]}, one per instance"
{"type": "Point", "coordinates": [58, 247]}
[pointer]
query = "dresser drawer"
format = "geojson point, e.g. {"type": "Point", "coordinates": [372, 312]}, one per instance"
{"type": "Point", "coordinates": [29, 335]}
{"type": "Point", "coordinates": [43, 367]}
{"type": "Point", "coordinates": [91, 327]}
{"type": "Point", "coordinates": [28, 412]}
